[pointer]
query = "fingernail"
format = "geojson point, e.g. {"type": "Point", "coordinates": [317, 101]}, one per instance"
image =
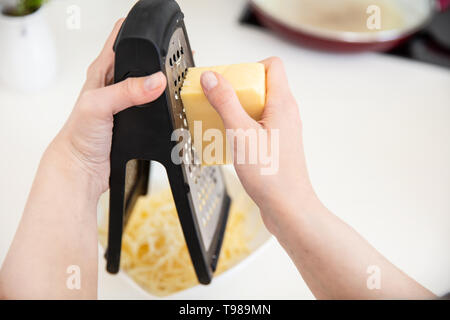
{"type": "Point", "coordinates": [209, 80]}
{"type": "Point", "coordinates": [153, 82]}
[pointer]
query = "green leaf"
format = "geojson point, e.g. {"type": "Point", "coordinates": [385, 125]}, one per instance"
{"type": "Point", "coordinates": [25, 7]}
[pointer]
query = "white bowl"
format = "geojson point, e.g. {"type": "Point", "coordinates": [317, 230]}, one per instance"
{"type": "Point", "coordinates": [254, 224]}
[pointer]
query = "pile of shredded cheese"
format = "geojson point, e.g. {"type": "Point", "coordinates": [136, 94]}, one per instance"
{"type": "Point", "coordinates": [154, 252]}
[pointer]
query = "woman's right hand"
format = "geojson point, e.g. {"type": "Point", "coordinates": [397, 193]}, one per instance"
{"type": "Point", "coordinates": [287, 189]}
{"type": "Point", "coordinates": [332, 258]}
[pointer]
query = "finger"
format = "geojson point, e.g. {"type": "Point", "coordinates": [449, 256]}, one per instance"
{"type": "Point", "coordinates": [130, 92]}
{"type": "Point", "coordinates": [100, 72]}
{"type": "Point", "coordinates": [224, 100]}
{"type": "Point", "coordinates": [108, 50]}
{"type": "Point", "coordinates": [277, 82]}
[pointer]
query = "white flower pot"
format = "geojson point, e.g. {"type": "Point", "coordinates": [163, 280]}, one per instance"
{"type": "Point", "coordinates": [27, 52]}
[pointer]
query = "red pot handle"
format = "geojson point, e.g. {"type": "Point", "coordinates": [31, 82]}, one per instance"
{"type": "Point", "coordinates": [443, 4]}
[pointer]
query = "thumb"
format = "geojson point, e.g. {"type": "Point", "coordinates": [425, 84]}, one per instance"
{"type": "Point", "coordinates": [130, 92]}
{"type": "Point", "coordinates": [224, 100]}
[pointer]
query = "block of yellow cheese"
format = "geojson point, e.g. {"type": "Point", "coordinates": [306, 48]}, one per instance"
{"type": "Point", "coordinates": [249, 82]}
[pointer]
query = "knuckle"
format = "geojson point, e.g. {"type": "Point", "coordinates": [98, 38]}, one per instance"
{"type": "Point", "coordinates": [98, 69]}
{"type": "Point", "coordinates": [85, 97]}
{"type": "Point", "coordinates": [90, 106]}
{"type": "Point", "coordinates": [129, 86]}
{"type": "Point", "coordinates": [275, 58]}
{"type": "Point", "coordinates": [85, 111]}
{"type": "Point", "coordinates": [277, 62]}
{"type": "Point", "coordinates": [119, 22]}
{"type": "Point", "coordinates": [223, 97]}
{"type": "Point", "coordinates": [85, 105]}
{"type": "Point", "coordinates": [131, 90]}
{"type": "Point", "coordinates": [92, 69]}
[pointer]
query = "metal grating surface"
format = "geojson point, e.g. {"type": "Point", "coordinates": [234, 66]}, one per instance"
{"type": "Point", "coordinates": [207, 185]}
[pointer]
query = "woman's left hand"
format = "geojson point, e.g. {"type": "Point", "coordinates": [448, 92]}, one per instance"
{"type": "Point", "coordinates": [56, 241]}
{"type": "Point", "coordinates": [85, 139]}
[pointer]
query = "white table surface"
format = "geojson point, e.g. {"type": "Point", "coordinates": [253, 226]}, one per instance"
{"type": "Point", "coordinates": [377, 139]}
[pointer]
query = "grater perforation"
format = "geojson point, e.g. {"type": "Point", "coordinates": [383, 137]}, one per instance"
{"type": "Point", "coordinates": [197, 176]}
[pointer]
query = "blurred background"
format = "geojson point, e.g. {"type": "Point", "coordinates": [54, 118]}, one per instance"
{"type": "Point", "coordinates": [373, 94]}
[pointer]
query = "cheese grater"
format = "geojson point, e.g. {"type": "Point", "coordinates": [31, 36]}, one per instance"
{"type": "Point", "coordinates": [153, 38]}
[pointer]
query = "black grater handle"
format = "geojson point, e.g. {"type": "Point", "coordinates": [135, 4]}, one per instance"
{"type": "Point", "coordinates": [148, 25]}
{"type": "Point", "coordinates": [151, 20]}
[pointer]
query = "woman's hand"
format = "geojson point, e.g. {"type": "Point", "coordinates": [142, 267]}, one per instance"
{"type": "Point", "coordinates": [332, 257]}
{"type": "Point", "coordinates": [54, 252]}
{"type": "Point", "coordinates": [273, 193]}
{"type": "Point", "coordinates": [85, 140]}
